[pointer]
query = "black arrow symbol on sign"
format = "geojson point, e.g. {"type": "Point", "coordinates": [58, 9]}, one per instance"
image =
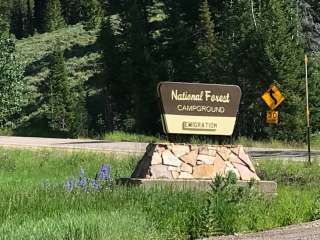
{"type": "Point", "coordinates": [273, 98]}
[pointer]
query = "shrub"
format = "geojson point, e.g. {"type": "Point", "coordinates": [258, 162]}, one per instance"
{"type": "Point", "coordinates": [224, 205]}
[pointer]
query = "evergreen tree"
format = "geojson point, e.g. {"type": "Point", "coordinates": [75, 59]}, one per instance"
{"type": "Point", "coordinates": [314, 91]}
{"type": "Point", "coordinates": [22, 18]}
{"type": "Point", "coordinates": [53, 19]}
{"type": "Point", "coordinates": [207, 45]}
{"type": "Point", "coordinates": [248, 43]}
{"type": "Point", "coordinates": [40, 7]}
{"type": "Point", "coordinates": [11, 79]}
{"type": "Point", "coordinates": [91, 13]}
{"type": "Point", "coordinates": [17, 19]}
{"type": "Point", "coordinates": [315, 4]}
{"type": "Point", "coordinates": [285, 53]}
{"type": "Point", "coordinates": [29, 27]}
{"type": "Point", "coordinates": [71, 11]}
{"type": "Point", "coordinates": [58, 96]}
{"type": "Point", "coordinates": [4, 26]}
{"type": "Point", "coordinates": [111, 82]}
{"type": "Point", "coordinates": [5, 10]}
{"type": "Point", "coordinates": [130, 68]}
{"type": "Point", "coordinates": [179, 44]}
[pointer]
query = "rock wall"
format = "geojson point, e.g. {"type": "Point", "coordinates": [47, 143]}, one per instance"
{"type": "Point", "coordinates": [186, 161]}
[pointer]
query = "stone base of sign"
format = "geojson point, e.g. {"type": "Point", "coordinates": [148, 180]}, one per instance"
{"type": "Point", "coordinates": [269, 188]}
{"type": "Point", "coordinates": [187, 161]}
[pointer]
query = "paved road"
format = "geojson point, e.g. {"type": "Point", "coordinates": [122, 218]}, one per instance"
{"type": "Point", "coordinates": [137, 148]}
{"type": "Point", "coordinates": [77, 144]}
{"type": "Point", "coordinates": [306, 231]}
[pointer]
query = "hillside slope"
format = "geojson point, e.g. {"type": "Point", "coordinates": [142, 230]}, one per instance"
{"type": "Point", "coordinates": [79, 45]}
{"type": "Point", "coordinates": [81, 55]}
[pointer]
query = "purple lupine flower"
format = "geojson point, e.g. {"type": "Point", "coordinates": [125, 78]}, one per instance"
{"type": "Point", "coordinates": [82, 178]}
{"type": "Point", "coordinates": [82, 182]}
{"type": "Point", "coordinates": [104, 173]}
{"type": "Point", "coordinates": [69, 185]}
{"type": "Point", "coordinates": [95, 184]}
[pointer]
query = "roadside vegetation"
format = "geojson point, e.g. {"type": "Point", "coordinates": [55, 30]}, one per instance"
{"type": "Point", "coordinates": [35, 202]}
{"type": "Point", "coordinates": [122, 136]}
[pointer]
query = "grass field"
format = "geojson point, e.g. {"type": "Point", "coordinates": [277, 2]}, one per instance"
{"type": "Point", "coordinates": [34, 203]}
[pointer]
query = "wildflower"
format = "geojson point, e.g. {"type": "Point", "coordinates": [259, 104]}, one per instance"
{"type": "Point", "coordinates": [95, 184]}
{"type": "Point", "coordinates": [82, 178]}
{"type": "Point", "coordinates": [102, 180]}
{"type": "Point", "coordinates": [69, 185]}
{"type": "Point", "coordinates": [104, 173]}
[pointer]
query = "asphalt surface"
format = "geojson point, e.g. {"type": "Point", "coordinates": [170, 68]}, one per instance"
{"type": "Point", "coordinates": [75, 144]}
{"type": "Point", "coordinates": [138, 148]}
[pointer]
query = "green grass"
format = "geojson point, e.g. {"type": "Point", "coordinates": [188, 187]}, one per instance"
{"type": "Point", "coordinates": [35, 205]}
{"type": "Point", "coordinates": [247, 142]}
{"type": "Point", "coordinates": [130, 137]}
{"type": "Point", "coordinates": [288, 173]}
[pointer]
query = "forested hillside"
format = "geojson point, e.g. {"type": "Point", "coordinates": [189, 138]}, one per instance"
{"type": "Point", "coordinates": [83, 67]}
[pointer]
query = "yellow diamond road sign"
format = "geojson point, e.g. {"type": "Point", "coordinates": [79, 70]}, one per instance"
{"type": "Point", "coordinates": [273, 97]}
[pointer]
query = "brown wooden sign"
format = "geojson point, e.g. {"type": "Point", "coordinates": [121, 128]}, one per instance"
{"type": "Point", "coordinates": [195, 108]}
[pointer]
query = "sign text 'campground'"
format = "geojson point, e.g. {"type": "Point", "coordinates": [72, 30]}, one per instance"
{"type": "Point", "coordinates": [192, 108]}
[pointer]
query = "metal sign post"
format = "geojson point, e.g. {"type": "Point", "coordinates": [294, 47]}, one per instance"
{"type": "Point", "coordinates": [307, 109]}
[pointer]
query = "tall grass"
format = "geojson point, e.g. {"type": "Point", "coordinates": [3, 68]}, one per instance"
{"type": "Point", "coordinates": [289, 173]}
{"type": "Point", "coordinates": [35, 205]}
{"type": "Point", "coordinates": [130, 137]}
{"type": "Point", "coordinates": [247, 142]}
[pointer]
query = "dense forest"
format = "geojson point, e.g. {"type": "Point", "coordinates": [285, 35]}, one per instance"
{"type": "Point", "coordinates": [131, 45]}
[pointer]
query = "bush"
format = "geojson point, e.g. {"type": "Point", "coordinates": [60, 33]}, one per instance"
{"type": "Point", "coordinates": [224, 206]}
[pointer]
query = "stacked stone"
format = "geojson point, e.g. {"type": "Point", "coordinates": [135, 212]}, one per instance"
{"type": "Point", "coordinates": [178, 161]}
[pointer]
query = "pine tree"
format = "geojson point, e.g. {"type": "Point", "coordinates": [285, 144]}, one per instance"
{"type": "Point", "coordinates": [180, 35]}
{"type": "Point", "coordinates": [71, 11]}
{"type": "Point", "coordinates": [53, 19]}
{"type": "Point", "coordinates": [17, 19]}
{"type": "Point", "coordinates": [29, 27]}
{"type": "Point", "coordinates": [112, 64]}
{"type": "Point", "coordinates": [11, 79]}
{"type": "Point", "coordinates": [4, 26]}
{"type": "Point", "coordinates": [285, 54]}
{"type": "Point", "coordinates": [206, 45]}
{"type": "Point", "coordinates": [5, 10]}
{"type": "Point", "coordinates": [91, 13]}
{"type": "Point", "coordinates": [40, 7]}
{"type": "Point", "coordinates": [314, 91]}
{"type": "Point", "coordinates": [129, 69]}
{"type": "Point", "coordinates": [58, 96]}
{"type": "Point", "coordinates": [21, 18]}
{"type": "Point", "coordinates": [142, 80]}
